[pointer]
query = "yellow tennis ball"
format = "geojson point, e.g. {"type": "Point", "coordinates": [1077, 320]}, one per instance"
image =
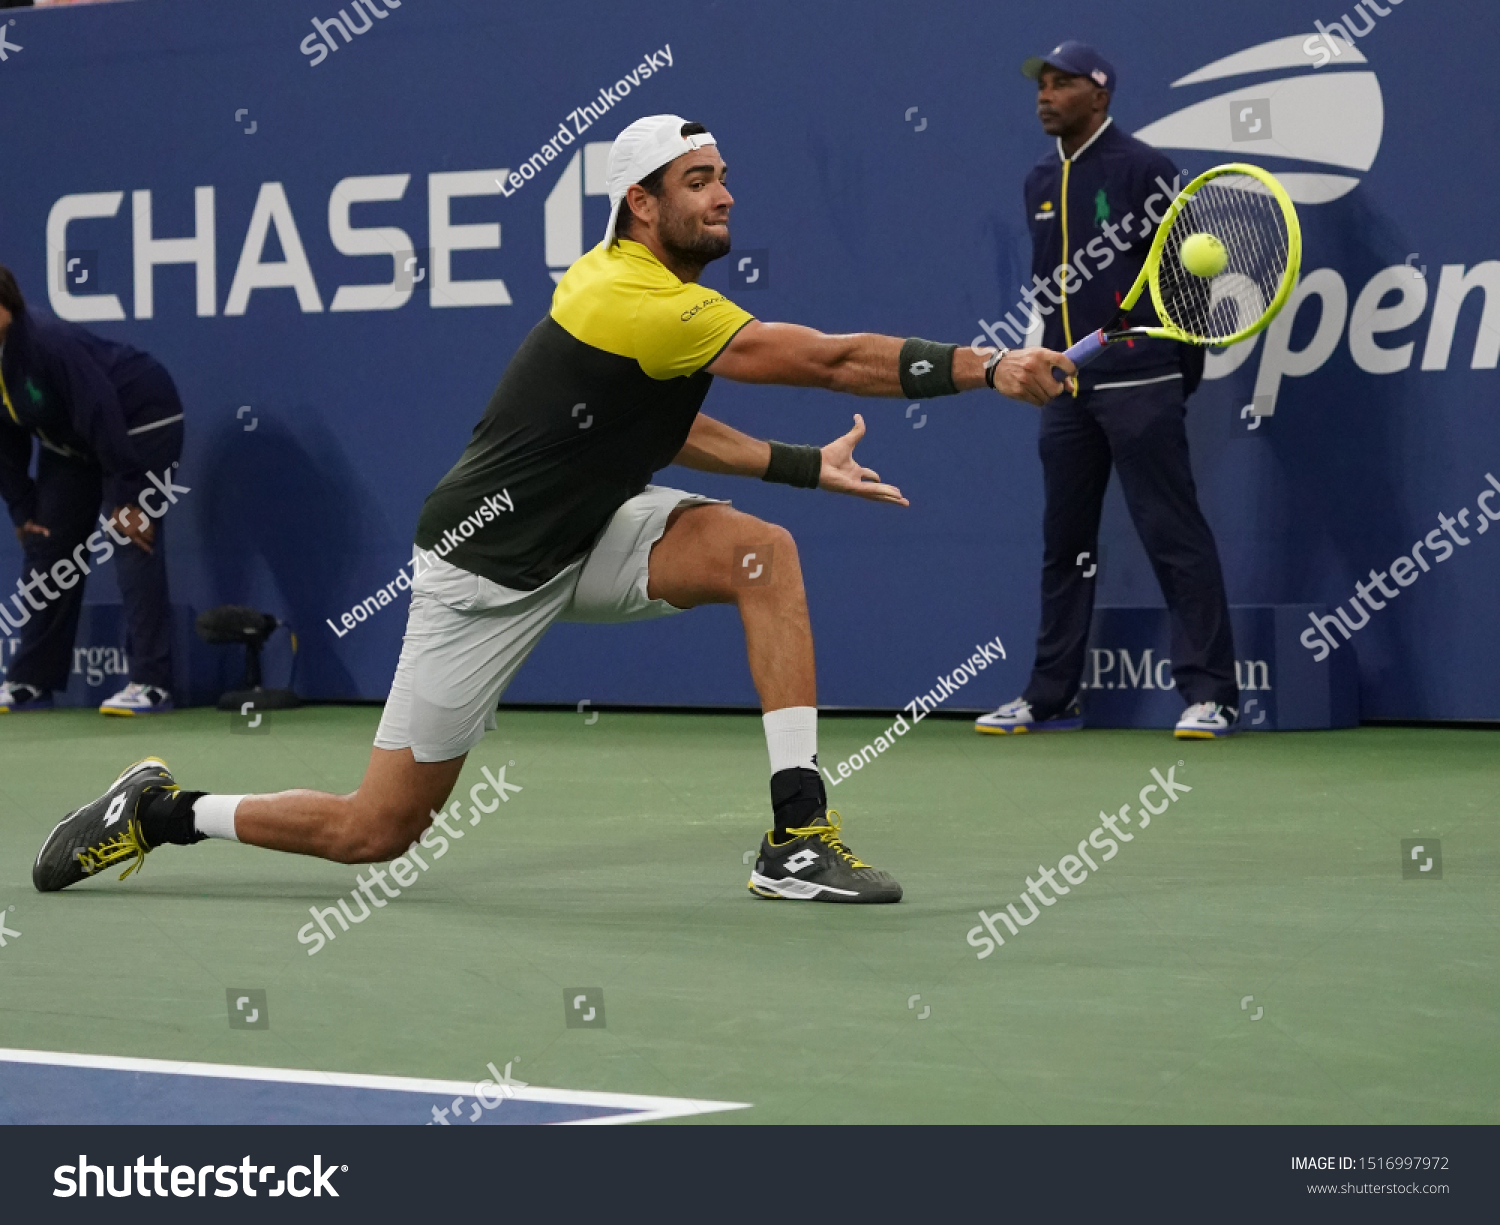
{"type": "Point", "coordinates": [1203, 255]}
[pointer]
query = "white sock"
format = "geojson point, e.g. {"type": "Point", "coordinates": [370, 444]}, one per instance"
{"type": "Point", "coordinates": [213, 815]}
{"type": "Point", "coordinates": [792, 737]}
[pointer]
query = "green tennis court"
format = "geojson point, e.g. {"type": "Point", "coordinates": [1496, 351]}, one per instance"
{"type": "Point", "coordinates": [618, 870]}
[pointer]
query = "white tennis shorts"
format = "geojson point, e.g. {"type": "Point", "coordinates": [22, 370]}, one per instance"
{"type": "Point", "coordinates": [467, 637]}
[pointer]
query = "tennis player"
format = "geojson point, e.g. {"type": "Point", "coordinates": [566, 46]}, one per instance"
{"type": "Point", "coordinates": [603, 393]}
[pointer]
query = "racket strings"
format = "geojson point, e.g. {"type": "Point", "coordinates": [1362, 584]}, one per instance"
{"type": "Point", "coordinates": [1243, 215]}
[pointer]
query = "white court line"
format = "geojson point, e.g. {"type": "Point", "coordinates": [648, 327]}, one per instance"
{"type": "Point", "coordinates": [644, 1107]}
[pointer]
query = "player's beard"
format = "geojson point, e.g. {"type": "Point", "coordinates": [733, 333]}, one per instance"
{"type": "Point", "coordinates": [686, 242]}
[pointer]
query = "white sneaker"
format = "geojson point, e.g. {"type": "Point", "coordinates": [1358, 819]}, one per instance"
{"type": "Point", "coordinates": [23, 697]}
{"type": "Point", "coordinates": [137, 699]}
{"type": "Point", "coordinates": [1206, 721]}
{"type": "Point", "coordinates": [1016, 718]}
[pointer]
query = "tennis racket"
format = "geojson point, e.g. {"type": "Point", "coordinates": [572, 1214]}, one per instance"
{"type": "Point", "coordinates": [1236, 226]}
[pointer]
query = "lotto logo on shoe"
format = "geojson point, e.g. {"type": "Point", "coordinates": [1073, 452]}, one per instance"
{"type": "Point", "coordinates": [115, 809]}
{"type": "Point", "coordinates": [805, 858]}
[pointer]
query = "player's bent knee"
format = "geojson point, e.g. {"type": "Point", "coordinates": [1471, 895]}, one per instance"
{"type": "Point", "coordinates": [749, 531]}
{"type": "Point", "coordinates": [777, 550]}
{"type": "Point", "coordinates": [724, 524]}
{"type": "Point", "coordinates": [371, 847]}
{"type": "Point", "coordinates": [377, 835]}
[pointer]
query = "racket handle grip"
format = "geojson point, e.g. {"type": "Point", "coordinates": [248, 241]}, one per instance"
{"type": "Point", "coordinates": [1082, 353]}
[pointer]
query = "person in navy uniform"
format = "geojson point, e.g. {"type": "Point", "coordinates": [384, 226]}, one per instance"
{"type": "Point", "coordinates": [108, 426]}
{"type": "Point", "coordinates": [1093, 204]}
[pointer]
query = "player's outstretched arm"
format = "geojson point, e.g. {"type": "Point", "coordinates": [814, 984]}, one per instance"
{"type": "Point", "coordinates": [868, 364]}
{"type": "Point", "coordinates": [713, 446]}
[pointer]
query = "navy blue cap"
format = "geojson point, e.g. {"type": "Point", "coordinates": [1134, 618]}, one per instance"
{"type": "Point", "coordinates": [1076, 58]}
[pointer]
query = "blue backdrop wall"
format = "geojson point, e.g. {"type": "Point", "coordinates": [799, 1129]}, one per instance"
{"type": "Point", "coordinates": [877, 154]}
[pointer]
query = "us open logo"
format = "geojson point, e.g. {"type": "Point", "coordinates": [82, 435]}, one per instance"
{"type": "Point", "coordinates": [1325, 119]}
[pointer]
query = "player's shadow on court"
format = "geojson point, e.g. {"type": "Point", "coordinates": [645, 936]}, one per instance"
{"type": "Point", "coordinates": [1305, 507]}
{"type": "Point", "coordinates": [1342, 463]}
{"type": "Point", "coordinates": [293, 507]}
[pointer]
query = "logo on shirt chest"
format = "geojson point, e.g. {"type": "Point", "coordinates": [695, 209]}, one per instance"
{"type": "Point", "coordinates": [33, 391]}
{"type": "Point", "coordinates": [1102, 212]}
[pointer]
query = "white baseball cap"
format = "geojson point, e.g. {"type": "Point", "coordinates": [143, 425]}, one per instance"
{"type": "Point", "coordinates": [647, 144]}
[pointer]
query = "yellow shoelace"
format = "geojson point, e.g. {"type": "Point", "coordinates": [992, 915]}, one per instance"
{"type": "Point", "coordinates": [128, 842]}
{"type": "Point", "coordinates": [829, 835]}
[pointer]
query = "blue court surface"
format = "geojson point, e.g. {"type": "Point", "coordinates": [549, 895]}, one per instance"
{"type": "Point", "coordinates": [55, 1087]}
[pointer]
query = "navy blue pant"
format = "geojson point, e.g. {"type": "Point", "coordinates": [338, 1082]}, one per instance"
{"type": "Point", "coordinates": [69, 494]}
{"type": "Point", "coordinates": [1141, 432]}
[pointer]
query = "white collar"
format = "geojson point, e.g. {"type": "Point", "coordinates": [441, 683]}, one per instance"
{"type": "Point", "coordinates": [1083, 148]}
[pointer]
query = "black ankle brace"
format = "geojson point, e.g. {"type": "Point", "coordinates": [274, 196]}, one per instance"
{"type": "Point", "coordinates": [167, 816]}
{"type": "Point", "coordinates": [797, 798]}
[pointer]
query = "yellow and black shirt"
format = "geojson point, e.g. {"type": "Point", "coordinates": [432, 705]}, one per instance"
{"type": "Point", "coordinates": [599, 396]}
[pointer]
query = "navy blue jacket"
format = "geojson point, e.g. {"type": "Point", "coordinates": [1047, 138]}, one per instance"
{"type": "Point", "coordinates": [1110, 182]}
{"type": "Point", "coordinates": [79, 394]}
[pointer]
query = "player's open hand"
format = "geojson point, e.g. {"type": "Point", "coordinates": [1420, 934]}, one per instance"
{"type": "Point", "coordinates": [841, 474]}
{"type": "Point", "coordinates": [1026, 374]}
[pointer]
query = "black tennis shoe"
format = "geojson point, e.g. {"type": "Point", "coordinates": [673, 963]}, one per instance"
{"type": "Point", "coordinates": [102, 833]}
{"type": "Point", "coordinates": [814, 865]}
